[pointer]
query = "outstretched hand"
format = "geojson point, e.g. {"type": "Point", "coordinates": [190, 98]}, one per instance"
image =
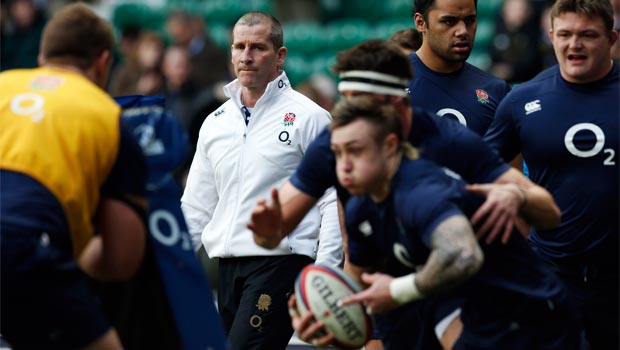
{"type": "Point", "coordinates": [307, 327]}
{"type": "Point", "coordinates": [266, 222]}
{"type": "Point", "coordinates": [499, 211]}
{"type": "Point", "coordinates": [376, 298]}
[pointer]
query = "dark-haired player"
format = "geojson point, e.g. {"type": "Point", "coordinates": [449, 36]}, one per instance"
{"type": "Point", "coordinates": [410, 218]}
{"type": "Point", "coordinates": [444, 83]}
{"type": "Point", "coordinates": [72, 190]}
{"type": "Point", "coordinates": [565, 123]}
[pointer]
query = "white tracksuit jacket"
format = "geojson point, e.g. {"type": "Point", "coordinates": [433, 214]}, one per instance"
{"type": "Point", "coordinates": [236, 165]}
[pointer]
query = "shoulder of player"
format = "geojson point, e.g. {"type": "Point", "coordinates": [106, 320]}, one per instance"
{"type": "Point", "coordinates": [480, 76]}
{"type": "Point", "coordinates": [430, 187]}
{"type": "Point", "coordinates": [356, 210]}
{"type": "Point", "coordinates": [546, 76]}
{"type": "Point", "coordinates": [537, 86]}
{"type": "Point", "coordinates": [14, 74]}
{"type": "Point", "coordinates": [414, 175]}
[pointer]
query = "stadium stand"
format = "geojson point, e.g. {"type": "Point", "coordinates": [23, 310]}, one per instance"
{"type": "Point", "coordinates": [312, 44]}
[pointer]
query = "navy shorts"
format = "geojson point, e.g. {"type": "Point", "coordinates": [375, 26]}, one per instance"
{"type": "Point", "coordinates": [253, 293]}
{"type": "Point", "coordinates": [412, 326]}
{"type": "Point", "coordinates": [503, 320]}
{"type": "Point", "coordinates": [595, 290]}
{"type": "Point", "coordinates": [47, 302]}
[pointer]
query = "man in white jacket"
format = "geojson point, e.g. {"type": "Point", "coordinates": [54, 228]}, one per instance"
{"type": "Point", "coordinates": [250, 145]}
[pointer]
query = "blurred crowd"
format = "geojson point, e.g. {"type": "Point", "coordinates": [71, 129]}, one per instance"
{"type": "Point", "coordinates": [185, 65]}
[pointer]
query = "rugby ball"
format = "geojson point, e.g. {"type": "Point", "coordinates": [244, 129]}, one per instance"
{"type": "Point", "coordinates": [318, 289]}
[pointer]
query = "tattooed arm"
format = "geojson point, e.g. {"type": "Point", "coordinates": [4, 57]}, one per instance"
{"type": "Point", "coordinates": [455, 256]}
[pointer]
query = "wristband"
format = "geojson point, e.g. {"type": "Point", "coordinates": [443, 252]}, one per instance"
{"type": "Point", "coordinates": [404, 290]}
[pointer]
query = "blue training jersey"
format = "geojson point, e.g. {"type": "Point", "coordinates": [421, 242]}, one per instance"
{"type": "Point", "coordinates": [568, 135]}
{"type": "Point", "coordinates": [441, 140]}
{"type": "Point", "coordinates": [397, 232]}
{"type": "Point", "coordinates": [469, 95]}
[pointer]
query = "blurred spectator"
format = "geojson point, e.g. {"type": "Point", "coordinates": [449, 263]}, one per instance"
{"type": "Point", "coordinates": [408, 39]}
{"type": "Point", "coordinates": [321, 89]}
{"type": "Point", "coordinates": [515, 46]}
{"type": "Point", "coordinates": [209, 61]}
{"type": "Point", "coordinates": [304, 10]}
{"type": "Point", "coordinates": [21, 27]}
{"type": "Point", "coordinates": [126, 46]}
{"type": "Point", "coordinates": [140, 73]}
{"type": "Point", "coordinates": [546, 48]}
{"type": "Point", "coordinates": [184, 97]}
{"type": "Point", "coordinates": [309, 91]}
{"type": "Point", "coordinates": [178, 87]}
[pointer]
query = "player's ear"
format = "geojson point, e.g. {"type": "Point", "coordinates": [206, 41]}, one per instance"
{"type": "Point", "coordinates": [419, 22]}
{"type": "Point", "coordinates": [102, 66]}
{"type": "Point", "coordinates": [391, 144]}
{"type": "Point", "coordinates": [551, 38]}
{"type": "Point", "coordinates": [103, 61]}
{"type": "Point", "coordinates": [281, 56]}
{"type": "Point", "coordinates": [613, 37]}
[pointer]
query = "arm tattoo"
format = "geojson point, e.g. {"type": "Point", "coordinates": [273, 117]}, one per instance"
{"type": "Point", "coordinates": [455, 256]}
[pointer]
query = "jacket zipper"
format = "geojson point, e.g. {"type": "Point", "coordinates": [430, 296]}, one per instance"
{"type": "Point", "coordinates": [231, 228]}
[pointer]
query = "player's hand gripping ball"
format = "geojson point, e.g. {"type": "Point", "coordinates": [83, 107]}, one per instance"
{"type": "Point", "coordinates": [318, 289]}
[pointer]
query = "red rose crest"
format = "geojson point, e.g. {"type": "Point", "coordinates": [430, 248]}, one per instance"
{"type": "Point", "coordinates": [482, 95]}
{"type": "Point", "coordinates": [289, 119]}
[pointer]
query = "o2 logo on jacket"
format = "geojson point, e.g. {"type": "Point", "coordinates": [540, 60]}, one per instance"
{"type": "Point", "coordinates": [285, 137]}
{"type": "Point", "coordinates": [569, 142]}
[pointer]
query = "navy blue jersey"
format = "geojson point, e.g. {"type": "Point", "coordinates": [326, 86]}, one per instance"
{"type": "Point", "coordinates": [568, 135]}
{"type": "Point", "coordinates": [441, 140]}
{"type": "Point", "coordinates": [397, 232]}
{"type": "Point", "coordinates": [469, 95]}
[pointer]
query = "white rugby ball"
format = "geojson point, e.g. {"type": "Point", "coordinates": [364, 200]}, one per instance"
{"type": "Point", "coordinates": [318, 289]}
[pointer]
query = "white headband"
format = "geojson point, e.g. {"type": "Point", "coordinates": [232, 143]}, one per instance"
{"type": "Point", "coordinates": [373, 82]}
{"type": "Point", "coordinates": [371, 88]}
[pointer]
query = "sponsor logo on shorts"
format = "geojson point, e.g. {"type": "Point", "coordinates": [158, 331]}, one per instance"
{"type": "Point", "coordinates": [256, 322]}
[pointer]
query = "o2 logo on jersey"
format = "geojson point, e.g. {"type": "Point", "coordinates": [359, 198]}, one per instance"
{"type": "Point", "coordinates": [401, 254]}
{"type": "Point", "coordinates": [454, 113]}
{"type": "Point", "coordinates": [30, 105]}
{"type": "Point", "coordinates": [598, 145]}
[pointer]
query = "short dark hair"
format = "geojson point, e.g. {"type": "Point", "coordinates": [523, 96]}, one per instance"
{"type": "Point", "coordinates": [407, 38]}
{"type": "Point", "coordinates": [258, 17]}
{"type": "Point", "coordinates": [423, 6]}
{"type": "Point", "coordinates": [76, 35]}
{"type": "Point", "coordinates": [383, 116]}
{"type": "Point", "coordinates": [590, 8]}
{"type": "Point", "coordinates": [375, 55]}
